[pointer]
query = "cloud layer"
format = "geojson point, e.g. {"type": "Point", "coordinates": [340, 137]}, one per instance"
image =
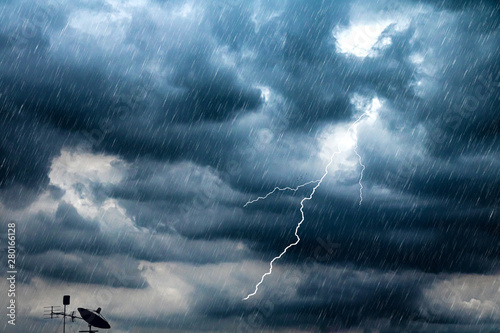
{"type": "Point", "coordinates": [133, 132]}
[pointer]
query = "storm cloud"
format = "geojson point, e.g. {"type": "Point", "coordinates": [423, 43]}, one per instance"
{"type": "Point", "coordinates": [134, 132]}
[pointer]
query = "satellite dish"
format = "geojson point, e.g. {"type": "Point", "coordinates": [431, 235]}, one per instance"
{"type": "Point", "coordinates": [94, 318]}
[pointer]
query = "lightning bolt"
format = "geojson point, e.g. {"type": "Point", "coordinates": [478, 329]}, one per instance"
{"type": "Point", "coordinates": [280, 189]}
{"type": "Point", "coordinates": [353, 128]}
{"type": "Point", "coordinates": [296, 228]}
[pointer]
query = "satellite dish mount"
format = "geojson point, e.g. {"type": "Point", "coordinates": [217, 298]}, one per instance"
{"type": "Point", "coordinates": [89, 330]}
{"type": "Point", "coordinates": [91, 317]}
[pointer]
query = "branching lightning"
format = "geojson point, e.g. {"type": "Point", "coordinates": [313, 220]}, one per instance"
{"type": "Point", "coordinates": [296, 228]}
{"type": "Point", "coordinates": [280, 189]}
{"type": "Point", "coordinates": [318, 182]}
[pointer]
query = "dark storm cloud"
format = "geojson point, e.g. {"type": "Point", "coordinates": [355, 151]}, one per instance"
{"type": "Point", "coordinates": [382, 238]}
{"type": "Point", "coordinates": [462, 112]}
{"type": "Point", "coordinates": [332, 297]}
{"type": "Point", "coordinates": [121, 271]}
{"type": "Point", "coordinates": [67, 92]}
{"type": "Point", "coordinates": [310, 74]}
{"type": "Point", "coordinates": [210, 94]}
{"type": "Point", "coordinates": [91, 106]}
{"type": "Point", "coordinates": [27, 149]}
{"type": "Point", "coordinates": [460, 4]}
{"type": "Point", "coordinates": [68, 217]}
{"type": "Point", "coordinates": [451, 181]}
{"type": "Point", "coordinates": [4, 41]}
{"type": "Point", "coordinates": [68, 232]}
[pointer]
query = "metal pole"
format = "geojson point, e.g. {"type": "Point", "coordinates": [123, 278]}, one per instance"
{"type": "Point", "coordinates": [64, 319]}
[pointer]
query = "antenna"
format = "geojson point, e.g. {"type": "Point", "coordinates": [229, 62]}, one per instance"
{"type": "Point", "coordinates": [91, 317]}
{"type": "Point", "coordinates": [49, 311]}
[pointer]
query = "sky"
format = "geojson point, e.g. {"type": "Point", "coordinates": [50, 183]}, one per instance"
{"type": "Point", "coordinates": [133, 133]}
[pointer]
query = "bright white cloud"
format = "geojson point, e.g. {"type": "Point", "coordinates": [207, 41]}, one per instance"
{"type": "Point", "coordinates": [371, 29]}
{"type": "Point", "coordinates": [76, 173]}
{"type": "Point", "coordinates": [470, 298]}
{"type": "Point", "coordinates": [359, 39]}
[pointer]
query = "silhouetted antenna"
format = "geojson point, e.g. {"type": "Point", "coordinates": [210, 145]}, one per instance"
{"type": "Point", "coordinates": [91, 317]}
{"type": "Point", "coordinates": [50, 311]}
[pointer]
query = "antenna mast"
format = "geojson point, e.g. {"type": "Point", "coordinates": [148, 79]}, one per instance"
{"type": "Point", "coordinates": [91, 317]}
